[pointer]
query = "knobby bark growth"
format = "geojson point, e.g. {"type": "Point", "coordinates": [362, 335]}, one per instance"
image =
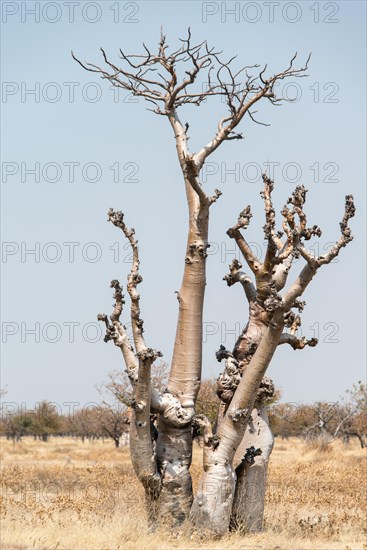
{"type": "Point", "coordinates": [232, 488]}
{"type": "Point", "coordinates": [234, 462]}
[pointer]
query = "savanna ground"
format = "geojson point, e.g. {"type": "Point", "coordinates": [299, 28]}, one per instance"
{"type": "Point", "coordinates": [66, 495]}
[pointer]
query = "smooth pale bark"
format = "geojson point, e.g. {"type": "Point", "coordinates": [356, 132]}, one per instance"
{"type": "Point", "coordinates": [249, 499]}
{"type": "Point", "coordinates": [163, 467]}
{"type": "Point", "coordinates": [141, 444]}
{"type": "Point", "coordinates": [139, 369]}
{"type": "Point", "coordinates": [185, 374]}
{"type": "Point", "coordinates": [174, 446]}
{"type": "Point", "coordinates": [174, 453]}
{"type": "Point", "coordinates": [259, 439]}
{"type": "Point", "coordinates": [167, 92]}
{"type": "Point", "coordinates": [212, 507]}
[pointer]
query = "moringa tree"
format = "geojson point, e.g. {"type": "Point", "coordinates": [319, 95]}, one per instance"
{"type": "Point", "coordinates": [162, 460]}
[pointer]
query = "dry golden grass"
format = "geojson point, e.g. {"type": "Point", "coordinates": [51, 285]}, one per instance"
{"type": "Point", "coordinates": [67, 495]}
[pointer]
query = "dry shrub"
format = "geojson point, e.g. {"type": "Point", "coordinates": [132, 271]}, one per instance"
{"type": "Point", "coordinates": [320, 443]}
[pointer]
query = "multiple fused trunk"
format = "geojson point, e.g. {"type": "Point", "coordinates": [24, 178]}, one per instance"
{"type": "Point", "coordinates": [235, 458]}
{"type": "Point", "coordinates": [219, 503]}
{"type": "Point", "coordinates": [212, 507]}
{"type": "Point", "coordinates": [231, 492]}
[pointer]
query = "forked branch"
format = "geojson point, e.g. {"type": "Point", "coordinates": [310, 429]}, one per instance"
{"type": "Point", "coordinates": [154, 76]}
{"type": "Point", "coordinates": [116, 332]}
{"type": "Point", "coordinates": [271, 275]}
{"type": "Point", "coordinates": [235, 275]}
{"type": "Point", "coordinates": [295, 342]}
{"type": "Point", "coordinates": [314, 262]}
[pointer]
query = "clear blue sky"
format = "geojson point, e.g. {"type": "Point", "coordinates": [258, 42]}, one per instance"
{"type": "Point", "coordinates": [90, 150]}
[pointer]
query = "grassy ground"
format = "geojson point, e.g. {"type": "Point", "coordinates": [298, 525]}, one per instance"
{"type": "Point", "coordinates": [69, 495]}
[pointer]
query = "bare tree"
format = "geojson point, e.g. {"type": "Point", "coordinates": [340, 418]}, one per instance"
{"type": "Point", "coordinates": [119, 386]}
{"type": "Point", "coordinates": [355, 424]}
{"type": "Point", "coordinates": [85, 423]}
{"type": "Point", "coordinates": [113, 422]}
{"type": "Point", "coordinates": [290, 419]}
{"type": "Point", "coordinates": [340, 419]}
{"type": "Point", "coordinates": [321, 423]}
{"type": "Point", "coordinates": [163, 463]}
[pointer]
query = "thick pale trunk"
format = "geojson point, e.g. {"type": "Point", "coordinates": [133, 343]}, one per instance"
{"type": "Point", "coordinates": [141, 442]}
{"type": "Point", "coordinates": [185, 374]}
{"type": "Point", "coordinates": [174, 446]}
{"type": "Point", "coordinates": [251, 479]}
{"type": "Point", "coordinates": [174, 450]}
{"type": "Point", "coordinates": [212, 507]}
{"type": "Point", "coordinates": [213, 502]}
{"type": "Point", "coordinates": [249, 499]}
{"type": "Point", "coordinates": [184, 380]}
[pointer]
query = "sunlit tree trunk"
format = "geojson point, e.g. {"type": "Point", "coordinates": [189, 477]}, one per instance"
{"type": "Point", "coordinates": [249, 498]}
{"type": "Point", "coordinates": [162, 459]}
{"type": "Point", "coordinates": [174, 445]}
{"type": "Point", "coordinates": [212, 507]}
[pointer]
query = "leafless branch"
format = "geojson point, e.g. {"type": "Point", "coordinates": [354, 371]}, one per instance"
{"type": "Point", "coordinates": [313, 263]}
{"type": "Point", "coordinates": [234, 233]}
{"type": "Point", "coordinates": [155, 78]}
{"type": "Point", "coordinates": [274, 242]}
{"type": "Point", "coordinates": [116, 332]}
{"type": "Point", "coordinates": [295, 342]}
{"type": "Point", "coordinates": [346, 235]}
{"type": "Point", "coordinates": [235, 275]}
{"type": "Point", "coordinates": [134, 279]}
